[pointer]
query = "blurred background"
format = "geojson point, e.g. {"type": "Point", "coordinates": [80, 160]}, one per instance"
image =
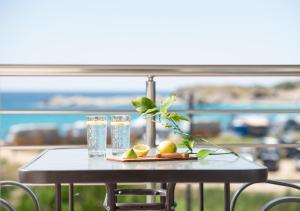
{"type": "Point", "coordinates": [138, 32]}
{"type": "Point", "coordinates": [25, 135]}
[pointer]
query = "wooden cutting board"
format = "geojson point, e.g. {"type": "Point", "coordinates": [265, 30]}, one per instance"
{"type": "Point", "coordinates": [157, 157]}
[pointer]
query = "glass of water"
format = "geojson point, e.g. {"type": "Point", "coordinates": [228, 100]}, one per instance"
{"type": "Point", "coordinates": [120, 133]}
{"type": "Point", "coordinates": [96, 135]}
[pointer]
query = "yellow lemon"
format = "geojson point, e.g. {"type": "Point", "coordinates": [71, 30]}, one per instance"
{"type": "Point", "coordinates": [141, 150]}
{"type": "Point", "coordinates": [129, 154]}
{"type": "Point", "coordinates": [167, 147]}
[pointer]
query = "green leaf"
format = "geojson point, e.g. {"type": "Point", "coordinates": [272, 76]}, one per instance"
{"type": "Point", "coordinates": [175, 117]}
{"type": "Point", "coordinates": [167, 103]}
{"type": "Point", "coordinates": [143, 104]}
{"type": "Point", "coordinates": [188, 144]}
{"type": "Point", "coordinates": [181, 118]}
{"type": "Point", "coordinates": [204, 153]}
{"type": "Point", "coordinates": [151, 111]}
{"type": "Point", "coordinates": [169, 116]}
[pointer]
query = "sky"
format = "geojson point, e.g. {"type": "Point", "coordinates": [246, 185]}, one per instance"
{"type": "Point", "coordinates": [146, 32]}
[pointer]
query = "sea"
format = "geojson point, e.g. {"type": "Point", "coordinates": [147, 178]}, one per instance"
{"type": "Point", "coordinates": [35, 101]}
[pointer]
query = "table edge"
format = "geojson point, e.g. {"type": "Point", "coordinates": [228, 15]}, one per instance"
{"type": "Point", "coordinates": [49, 177]}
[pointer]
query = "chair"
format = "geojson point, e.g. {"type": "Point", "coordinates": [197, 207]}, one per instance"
{"type": "Point", "coordinates": [8, 206]}
{"type": "Point", "coordinates": [271, 203]}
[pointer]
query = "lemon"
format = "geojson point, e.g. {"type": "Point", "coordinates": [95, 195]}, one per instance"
{"type": "Point", "coordinates": [167, 147]}
{"type": "Point", "coordinates": [129, 154]}
{"type": "Point", "coordinates": [141, 150]}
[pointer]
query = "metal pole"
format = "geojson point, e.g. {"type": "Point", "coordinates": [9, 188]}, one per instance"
{"type": "Point", "coordinates": [58, 197]}
{"type": "Point", "coordinates": [150, 126]}
{"type": "Point", "coordinates": [71, 197]}
{"type": "Point", "coordinates": [163, 186]}
{"type": "Point", "coordinates": [201, 196]}
{"type": "Point", "coordinates": [110, 197]}
{"type": "Point", "coordinates": [188, 193]}
{"type": "Point", "coordinates": [188, 197]}
{"type": "Point", "coordinates": [227, 197]}
{"type": "Point", "coordinates": [191, 107]}
{"type": "Point", "coordinates": [170, 202]}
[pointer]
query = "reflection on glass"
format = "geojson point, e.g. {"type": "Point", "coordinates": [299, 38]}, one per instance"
{"type": "Point", "coordinates": [96, 135]}
{"type": "Point", "coordinates": [120, 133]}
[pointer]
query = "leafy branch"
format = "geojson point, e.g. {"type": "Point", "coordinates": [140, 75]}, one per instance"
{"type": "Point", "coordinates": [148, 109]}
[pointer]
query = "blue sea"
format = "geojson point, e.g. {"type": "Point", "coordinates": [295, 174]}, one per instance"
{"type": "Point", "coordinates": [34, 101]}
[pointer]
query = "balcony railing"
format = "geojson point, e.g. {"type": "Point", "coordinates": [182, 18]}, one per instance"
{"type": "Point", "coordinates": [151, 72]}
{"type": "Point", "coordinates": [148, 70]}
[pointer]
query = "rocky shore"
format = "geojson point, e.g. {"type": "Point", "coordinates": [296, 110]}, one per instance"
{"type": "Point", "coordinates": [281, 94]}
{"type": "Point", "coordinates": [78, 100]}
{"type": "Point", "coordinates": [284, 94]}
{"type": "Point", "coordinates": [278, 94]}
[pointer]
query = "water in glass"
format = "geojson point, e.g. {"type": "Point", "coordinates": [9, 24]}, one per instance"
{"type": "Point", "coordinates": [96, 135]}
{"type": "Point", "coordinates": [120, 132]}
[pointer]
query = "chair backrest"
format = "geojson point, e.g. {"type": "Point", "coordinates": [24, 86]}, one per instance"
{"type": "Point", "coordinates": [272, 203]}
{"type": "Point", "coordinates": [27, 190]}
{"type": "Point", "coordinates": [6, 205]}
{"type": "Point", "coordinates": [279, 201]}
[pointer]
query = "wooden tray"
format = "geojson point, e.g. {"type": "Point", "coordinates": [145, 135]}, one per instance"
{"type": "Point", "coordinates": [157, 157]}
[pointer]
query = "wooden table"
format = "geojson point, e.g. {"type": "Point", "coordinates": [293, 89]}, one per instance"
{"type": "Point", "coordinates": [57, 166]}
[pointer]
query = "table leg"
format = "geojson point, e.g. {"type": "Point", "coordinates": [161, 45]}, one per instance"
{"type": "Point", "coordinates": [71, 197]}
{"type": "Point", "coordinates": [201, 196]}
{"type": "Point", "coordinates": [170, 200]}
{"type": "Point", "coordinates": [188, 197]}
{"type": "Point", "coordinates": [227, 197]}
{"type": "Point", "coordinates": [162, 198]}
{"type": "Point", "coordinates": [110, 196]}
{"type": "Point", "coordinates": [58, 197]}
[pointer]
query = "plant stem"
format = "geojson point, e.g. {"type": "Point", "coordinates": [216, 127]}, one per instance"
{"type": "Point", "coordinates": [179, 131]}
{"type": "Point", "coordinates": [221, 153]}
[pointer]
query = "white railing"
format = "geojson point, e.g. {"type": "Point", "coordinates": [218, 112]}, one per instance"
{"type": "Point", "coordinates": [150, 72]}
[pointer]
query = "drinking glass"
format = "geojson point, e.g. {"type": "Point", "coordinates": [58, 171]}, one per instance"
{"type": "Point", "coordinates": [96, 135]}
{"type": "Point", "coordinates": [120, 133]}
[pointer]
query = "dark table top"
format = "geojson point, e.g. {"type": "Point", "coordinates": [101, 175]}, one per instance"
{"type": "Point", "coordinates": [74, 166]}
